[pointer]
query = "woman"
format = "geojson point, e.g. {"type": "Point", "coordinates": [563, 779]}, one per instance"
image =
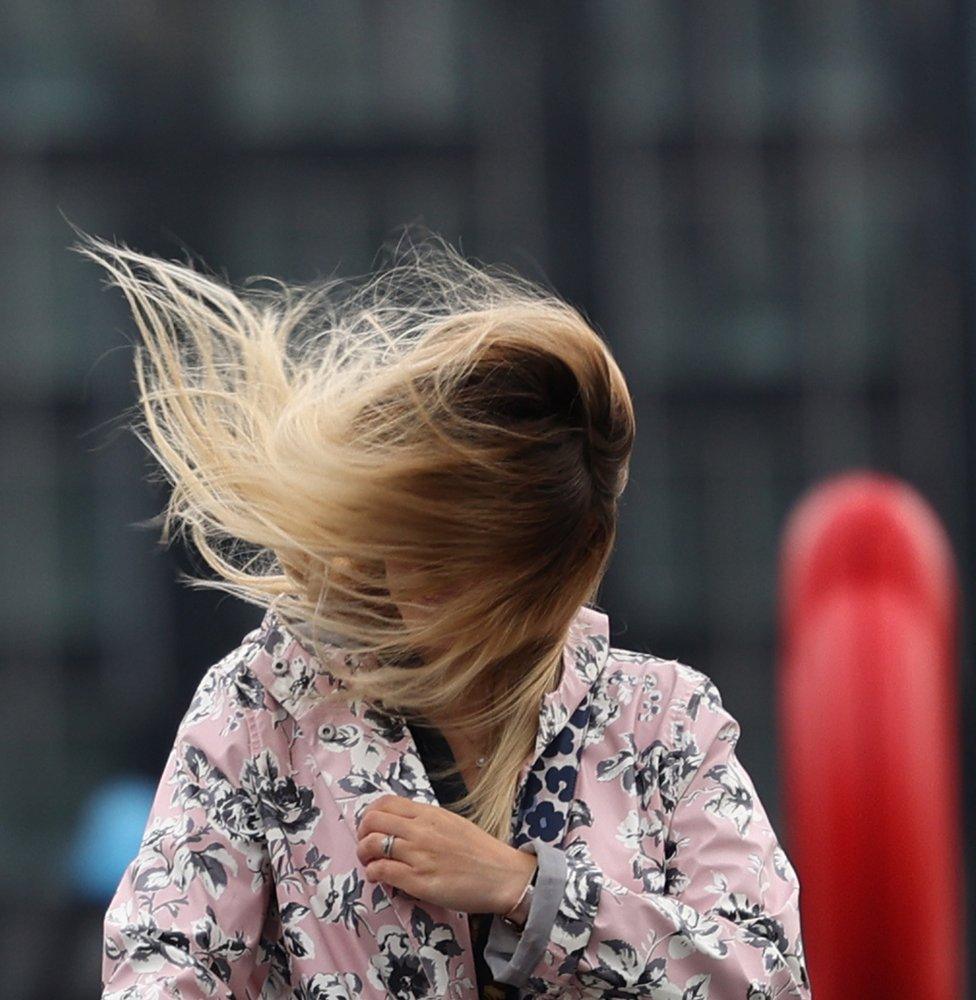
{"type": "Point", "coordinates": [426, 773]}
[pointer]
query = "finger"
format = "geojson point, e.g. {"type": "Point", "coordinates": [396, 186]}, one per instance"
{"type": "Point", "coordinates": [392, 872]}
{"type": "Point", "coordinates": [371, 848]}
{"type": "Point", "coordinates": [396, 804]}
{"type": "Point", "coordinates": [384, 822]}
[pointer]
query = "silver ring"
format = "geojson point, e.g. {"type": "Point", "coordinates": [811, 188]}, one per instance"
{"type": "Point", "coordinates": [388, 845]}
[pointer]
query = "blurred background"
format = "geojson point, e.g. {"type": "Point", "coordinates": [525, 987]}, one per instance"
{"type": "Point", "coordinates": [766, 208]}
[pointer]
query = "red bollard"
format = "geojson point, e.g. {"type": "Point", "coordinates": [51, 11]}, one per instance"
{"type": "Point", "coordinates": [868, 716]}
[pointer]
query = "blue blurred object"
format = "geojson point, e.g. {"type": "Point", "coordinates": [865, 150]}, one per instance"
{"type": "Point", "coordinates": [108, 836]}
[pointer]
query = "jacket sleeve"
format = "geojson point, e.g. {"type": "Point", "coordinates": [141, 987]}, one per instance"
{"type": "Point", "coordinates": [723, 919]}
{"type": "Point", "coordinates": [511, 954]}
{"type": "Point", "coordinates": [186, 919]}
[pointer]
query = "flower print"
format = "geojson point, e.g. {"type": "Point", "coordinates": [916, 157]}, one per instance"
{"type": "Point", "coordinates": [149, 947]}
{"type": "Point", "coordinates": [619, 765]}
{"type": "Point", "coordinates": [675, 880]}
{"type": "Point", "coordinates": [532, 787]}
{"type": "Point", "coordinates": [562, 744]}
{"type": "Point", "coordinates": [579, 815]}
{"type": "Point", "coordinates": [150, 870]}
{"type": "Point", "coordinates": [581, 897]}
{"type": "Point", "coordinates": [249, 691]}
{"type": "Point", "coordinates": [285, 805]}
{"type": "Point", "coordinates": [437, 946]}
{"type": "Point", "coordinates": [561, 780]}
{"type": "Point", "coordinates": [206, 701]}
{"type": "Point", "coordinates": [390, 728]}
{"type": "Point", "coordinates": [647, 776]}
{"type": "Point", "coordinates": [580, 716]}
{"type": "Point", "coordinates": [677, 766]}
{"type": "Point", "coordinates": [630, 832]}
{"type": "Point", "coordinates": [364, 755]}
{"type": "Point", "coordinates": [694, 678]}
{"type": "Point", "coordinates": [624, 685]}
{"type": "Point", "coordinates": [589, 656]}
{"type": "Point", "coordinates": [235, 814]}
{"type": "Point", "coordinates": [338, 738]}
{"type": "Point", "coordinates": [706, 694]}
{"type": "Point", "coordinates": [275, 639]}
{"type": "Point", "coordinates": [189, 912]}
{"type": "Point", "coordinates": [226, 689]}
{"type": "Point", "coordinates": [646, 941]}
{"type": "Point", "coordinates": [648, 872]}
{"type": "Point", "coordinates": [407, 777]}
{"type": "Point", "coordinates": [210, 865]}
{"type": "Point", "coordinates": [552, 720]}
{"type": "Point", "coordinates": [337, 899]}
{"type": "Point", "coordinates": [292, 680]}
{"type": "Point", "coordinates": [200, 784]}
{"type": "Point", "coordinates": [272, 954]}
{"type": "Point", "coordinates": [696, 930]}
{"type": "Point", "coordinates": [796, 962]}
{"type": "Point", "coordinates": [784, 867]}
{"type": "Point", "coordinates": [293, 937]}
{"type": "Point", "coordinates": [604, 710]}
{"type": "Point", "coordinates": [653, 825]}
{"type": "Point", "coordinates": [395, 968]}
{"type": "Point", "coordinates": [329, 986]}
{"type": "Point", "coordinates": [650, 704]}
{"type": "Point", "coordinates": [733, 801]}
{"type": "Point", "coordinates": [137, 992]}
{"type": "Point", "coordinates": [730, 732]}
{"type": "Point", "coordinates": [214, 949]}
{"type": "Point", "coordinates": [696, 988]}
{"type": "Point", "coordinates": [633, 831]}
{"type": "Point", "coordinates": [543, 821]}
{"type": "Point", "coordinates": [759, 928]}
{"type": "Point", "coordinates": [620, 966]}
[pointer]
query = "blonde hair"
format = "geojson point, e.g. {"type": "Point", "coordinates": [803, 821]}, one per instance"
{"type": "Point", "coordinates": [450, 417]}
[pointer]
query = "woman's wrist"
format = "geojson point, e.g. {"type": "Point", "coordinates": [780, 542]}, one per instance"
{"type": "Point", "coordinates": [517, 916]}
{"type": "Point", "coordinates": [515, 911]}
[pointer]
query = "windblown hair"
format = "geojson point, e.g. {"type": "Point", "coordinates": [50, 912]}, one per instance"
{"type": "Point", "coordinates": [453, 420]}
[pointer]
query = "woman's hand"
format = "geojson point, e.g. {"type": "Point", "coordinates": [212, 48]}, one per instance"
{"type": "Point", "coordinates": [441, 857]}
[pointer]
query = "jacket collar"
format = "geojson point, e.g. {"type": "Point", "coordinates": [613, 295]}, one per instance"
{"type": "Point", "coordinates": [362, 753]}
{"type": "Point", "coordinates": [298, 679]}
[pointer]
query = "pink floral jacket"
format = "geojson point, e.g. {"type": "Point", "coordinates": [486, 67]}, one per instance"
{"type": "Point", "coordinates": [247, 885]}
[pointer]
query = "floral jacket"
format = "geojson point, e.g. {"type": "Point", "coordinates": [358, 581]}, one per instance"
{"type": "Point", "coordinates": [671, 885]}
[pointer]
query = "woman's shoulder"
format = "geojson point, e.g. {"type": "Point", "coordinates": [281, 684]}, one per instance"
{"type": "Point", "coordinates": [667, 689]}
{"type": "Point", "coordinates": [228, 690]}
{"type": "Point", "coordinates": [275, 667]}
